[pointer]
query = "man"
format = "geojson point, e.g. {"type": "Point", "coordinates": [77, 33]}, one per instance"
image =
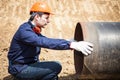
{"type": "Point", "coordinates": [27, 42]}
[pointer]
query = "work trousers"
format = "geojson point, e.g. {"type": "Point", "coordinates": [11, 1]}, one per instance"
{"type": "Point", "coordinates": [40, 71]}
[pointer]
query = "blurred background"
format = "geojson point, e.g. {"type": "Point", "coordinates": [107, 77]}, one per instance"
{"type": "Point", "coordinates": [62, 25]}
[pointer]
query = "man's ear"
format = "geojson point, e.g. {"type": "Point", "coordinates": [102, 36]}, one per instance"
{"type": "Point", "coordinates": [37, 17]}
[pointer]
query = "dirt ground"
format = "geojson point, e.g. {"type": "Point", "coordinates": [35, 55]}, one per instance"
{"type": "Point", "coordinates": [63, 23]}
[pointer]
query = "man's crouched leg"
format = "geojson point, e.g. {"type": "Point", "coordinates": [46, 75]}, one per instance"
{"type": "Point", "coordinates": [41, 71]}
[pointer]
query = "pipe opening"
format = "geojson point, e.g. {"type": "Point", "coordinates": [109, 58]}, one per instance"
{"type": "Point", "coordinates": [78, 56]}
{"type": "Point", "coordinates": [78, 33]}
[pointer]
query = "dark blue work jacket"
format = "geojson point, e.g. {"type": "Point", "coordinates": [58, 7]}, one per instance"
{"type": "Point", "coordinates": [26, 45]}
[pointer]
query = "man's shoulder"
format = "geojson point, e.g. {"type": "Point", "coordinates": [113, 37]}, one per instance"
{"type": "Point", "coordinates": [25, 25]}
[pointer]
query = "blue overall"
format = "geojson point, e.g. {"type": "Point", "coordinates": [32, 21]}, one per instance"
{"type": "Point", "coordinates": [24, 54]}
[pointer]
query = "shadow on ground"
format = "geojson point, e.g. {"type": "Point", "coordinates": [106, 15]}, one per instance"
{"type": "Point", "coordinates": [73, 77]}
{"type": "Point", "coordinates": [69, 77]}
{"type": "Point", "coordinates": [9, 77]}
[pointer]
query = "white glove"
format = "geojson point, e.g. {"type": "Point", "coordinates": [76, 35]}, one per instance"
{"type": "Point", "coordinates": [85, 47]}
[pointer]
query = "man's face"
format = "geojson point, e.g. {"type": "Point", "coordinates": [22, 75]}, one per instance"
{"type": "Point", "coordinates": [43, 20]}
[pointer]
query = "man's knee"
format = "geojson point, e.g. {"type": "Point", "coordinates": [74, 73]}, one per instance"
{"type": "Point", "coordinates": [57, 67]}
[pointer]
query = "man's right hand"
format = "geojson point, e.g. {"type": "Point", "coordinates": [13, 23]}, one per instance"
{"type": "Point", "coordinates": [85, 47]}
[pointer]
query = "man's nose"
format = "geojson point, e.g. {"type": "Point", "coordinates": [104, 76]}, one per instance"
{"type": "Point", "coordinates": [48, 21]}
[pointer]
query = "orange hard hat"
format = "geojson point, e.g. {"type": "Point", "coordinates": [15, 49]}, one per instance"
{"type": "Point", "coordinates": [40, 7]}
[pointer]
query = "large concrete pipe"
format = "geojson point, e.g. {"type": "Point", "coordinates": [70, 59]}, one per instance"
{"type": "Point", "coordinates": [105, 59]}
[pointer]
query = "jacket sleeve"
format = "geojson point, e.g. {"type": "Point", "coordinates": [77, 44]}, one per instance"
{"type": "Point", "coordinates": [27, 36]}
